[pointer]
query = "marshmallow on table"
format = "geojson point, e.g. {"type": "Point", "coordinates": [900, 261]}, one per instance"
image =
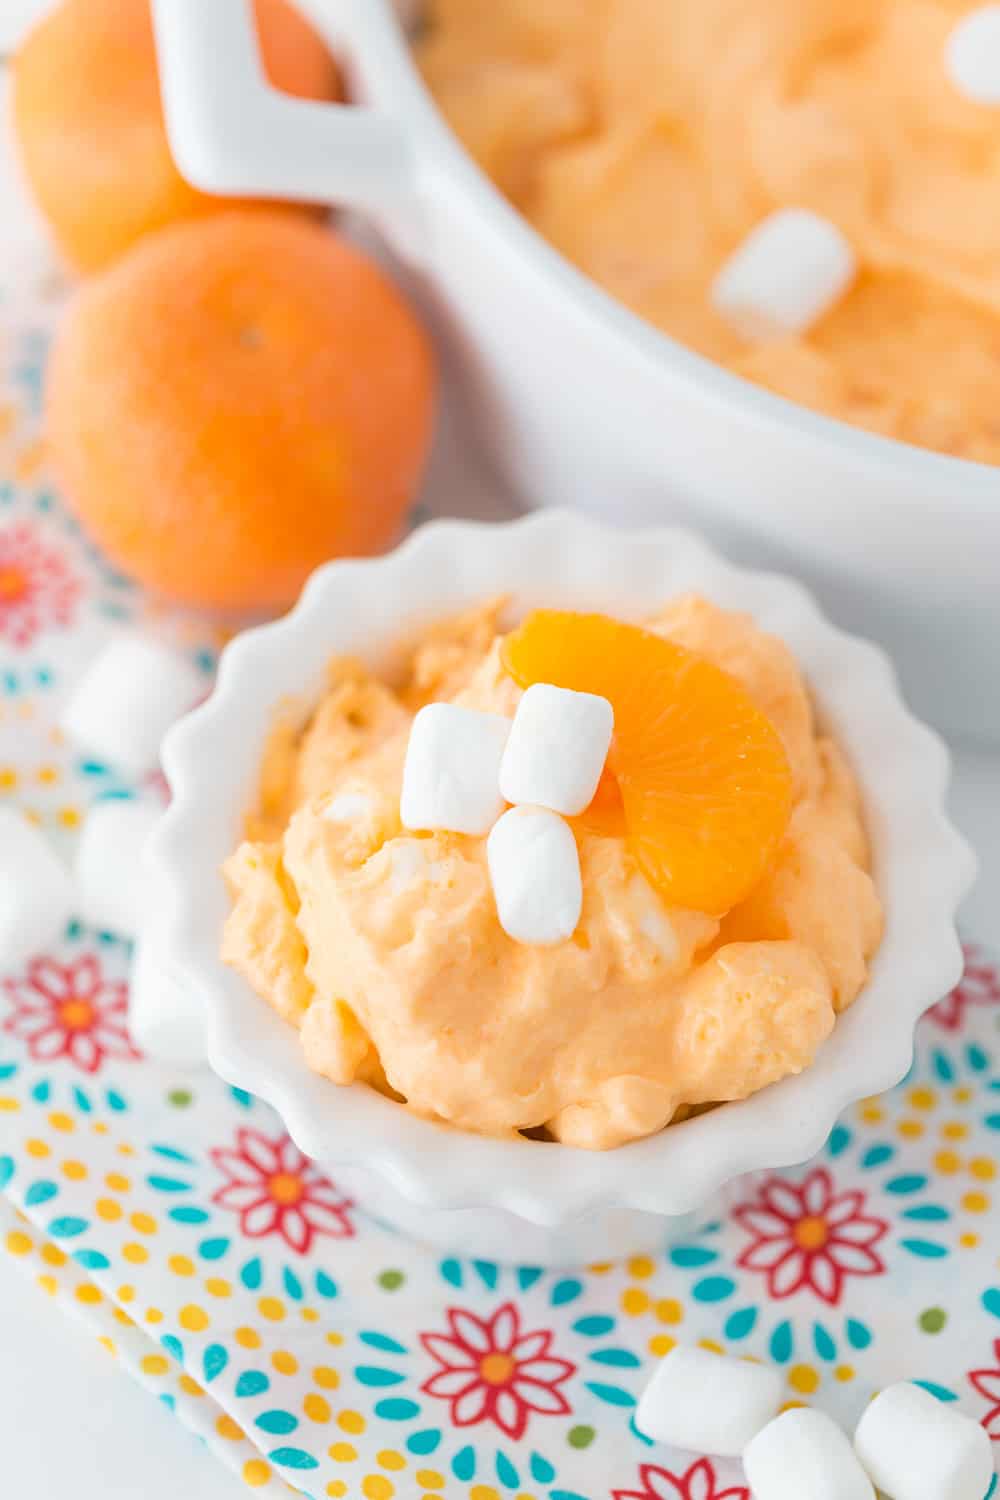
{"type": "Point", "coordinates": [165, 1015]}
{"type": "Point", "coordinates": [787, 273]}
{"type": "Point", "coordinates": [535, 873]}
{"type": "Point", "coordinates": [557, 748]}
{"type": "Point", "coordinates": [915, 1447]}
{"type": "Point", "coordinates": [37, 898]}
{"type": "Point", "coordinates": [708, 1402]}
{"type": "Point", "coordinates": [804, 1455]}
{"type": "Point", "coordinates": [972, 55]}
{"type": "Point", "coordinates": [109, 869]}
{"type": "Point", "coordinates": [127, 700]}
{"type": "Point", "coordinates": [452, 770]}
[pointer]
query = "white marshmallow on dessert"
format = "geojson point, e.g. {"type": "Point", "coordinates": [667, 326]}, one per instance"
{"type": "Point", "coordinates": [127, 699]}
{"type": "Point", "coordinates": [972, 55]}
{"type": "Point", "coordinates": [451, 778]}
{"type": "Point", "coordinates": [804, 1455]}
{"type": "Point", "coordinates": [109, 869]}
{"type": "Point", "coordinates": [534, 869]}
{"type": "Point", "coordinates": [915, 1447]}
{"type": "Point", "coordinates": [557, 748]}
{"type": "Point", "coordinates": [165, 1015]}
{"type": "Point", "coordinates": [708, 1402]}
{"type": "Point", "coordinates": [37, 898]}
{"type": "Point", "coordinates": [787, 273]}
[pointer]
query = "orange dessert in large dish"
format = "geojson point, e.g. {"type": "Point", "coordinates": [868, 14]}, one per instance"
{"type": "Point", "coordinates": [671, 916]}
{"type": "Point", "coordinates": [648, 139]}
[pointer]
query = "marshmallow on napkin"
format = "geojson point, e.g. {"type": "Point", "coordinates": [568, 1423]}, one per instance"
{"type": "Point", "coordinates": [804, 1455]}
{"type": "Point", "coordinates": [710, 1403]}
{"type": "Point", "coordinates": [37, 898]}
{"type": "Point", "coordinates": [915, 1447]}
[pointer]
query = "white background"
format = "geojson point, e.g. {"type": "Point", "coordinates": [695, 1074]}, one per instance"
{"type": "Point", "coordinates": [72, 1423]}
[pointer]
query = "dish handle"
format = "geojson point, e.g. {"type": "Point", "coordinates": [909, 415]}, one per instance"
{"type": "Point", "coordinates": [232, 133]}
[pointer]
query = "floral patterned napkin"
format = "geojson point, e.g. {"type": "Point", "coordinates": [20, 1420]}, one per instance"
{"type": "Point", "coordinates": [314, 1348]}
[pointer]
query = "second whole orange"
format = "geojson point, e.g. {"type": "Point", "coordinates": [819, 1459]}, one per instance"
{"type": "Point", "coordinates": [234, 402]}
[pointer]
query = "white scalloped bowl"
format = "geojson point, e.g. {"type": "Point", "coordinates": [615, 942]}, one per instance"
{"type": "Point", "coordinates": [539, 1202]}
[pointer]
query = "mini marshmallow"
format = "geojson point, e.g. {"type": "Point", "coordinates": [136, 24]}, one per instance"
{"type": "Point", "coordinates": [918, 1448]}
{"type": "Point", "coordinates": [787, 273]}
{"type": "Point", "coordinates": [36, 893]}
{"type": "Point", "coordinates": [557, 749]}
{"type": "Point", "coordinates": [972, 55]}
{"type": "Point", "coordinates": [127, 700]}
{"type": "Point", "coordinates": [165, 1015]}
{"type": "Point", "coordinates": [535, 872]}
{"type": "Point", "coordinates": [804, 1455]}
{"type": "Point", "coordinates": [109, 869]}
{"type": "Point", "coordinates": [708, 1402]}
{"type": "Point", "coordinates": [452, 770]}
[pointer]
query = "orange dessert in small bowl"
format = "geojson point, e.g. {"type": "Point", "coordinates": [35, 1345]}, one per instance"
{"type": "Point", "coordinates": [766, 881]}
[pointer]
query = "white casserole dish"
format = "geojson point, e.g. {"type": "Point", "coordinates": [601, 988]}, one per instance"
{"type": "Point", "coordinates": [537, 1202]}
{"type": "Point", "coordinates": [577, 401]}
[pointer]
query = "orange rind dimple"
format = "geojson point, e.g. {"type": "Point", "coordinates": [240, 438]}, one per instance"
{"type": "Point", "coordinates": [704, 780]}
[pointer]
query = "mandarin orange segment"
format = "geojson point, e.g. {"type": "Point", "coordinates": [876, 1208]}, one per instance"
{"type": "Point", "coordinates": [703, 775]}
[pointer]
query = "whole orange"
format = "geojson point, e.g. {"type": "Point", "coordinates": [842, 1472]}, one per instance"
{"type": "Point", "coordinates": [89, 122]}
{"type": "Point", "coordinates": [236, 400]}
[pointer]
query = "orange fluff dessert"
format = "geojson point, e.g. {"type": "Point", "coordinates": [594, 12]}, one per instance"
{"type": "Point", "coordinates": [648, 139]}
{"type": "Point", "coordinates": [726, 911]}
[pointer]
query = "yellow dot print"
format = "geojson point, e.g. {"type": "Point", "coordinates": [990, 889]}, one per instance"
{"type": "Point", "coordinates": [641, 1267]}
{"type": "Point", "coordinates": [60, 1121]}
{"type": "Point", "coordinates": [8, 1105]}
{"type": "Point", "coordinates": [844, 1373]}
{"type": "Point", "coordinates": [351, 1421]}
{"type": "Point", "coordinates": [48, 1284]}
{"type": "Point", "coordinates": [483, 1492]}
{"type": "Point", "coordinates": [154, 1364]}
{"type": "Point", "coordinates": [377, 1487]}
{"type": "Point", "coordinates": [272, 1308]}
{"type": "Point", "coordinates": [53, 1256]}
{"type": "Point", "coordinates": [954, 1130]}
{"type": "Point", "coordinates": [911, 1130]}
{"type": "Point", "coordinates": [38, 1149]}
{"type": "Point", "coordinates": [121, 1316]}
{"type": "Point", "coordinates": [983, 1168]}
{"type": "Point", "coordinates": [181, 1265]}
{"type": "Point", "coordinates": [284, 1363]}
{"type": "Point", "coordinates": [669, 1310]}
{"type": "Point", "coordinates": [336, 1339]}
{"type": "Point", "coordinates": [125, 1293]}
{"type": "Point", "coordinates": [108, 1209]}
{"type": "Point", "coordinates": [336, 1488]}
{"type": "Point", "coordinates": [922, 1098]}
{"type": "Point", "coordinates": [430, 1479]}
{"type": "Point", "coordinates": [389, 1458]}
{"type": "Point", "coordinates": [803, 1378]}
{"type": "Point", "coordinates": [144, 1223]}
{"type": "Point", "coordinates": [976, 1203]}
{"type": "Point", "coordinates": [227, 1428]}
{"type": "Point", "coordinates": [247, 1338]}
{"type": "Point", "coordinates": [661, 1344]}
{"type": "Point", "coordinates": [194, 1318]}
{"type": "Point", "coordinates": [309, 1315]}
{"type": "Point", "coordinates": [154, 1315]}
{"type": "Point", "coordinates": [135, 1254]}
{"type": "Point", "coordinates": [19, 1243]}
{"type": "Point", "coordinates": [326, 1378]}
{"type": "Point", "coordinates": [256, 1472]}
{"type": "Point", "coordinates": [88, 1293]}
{"type": "Point", "coordinates": [118, 1182]}
{"type": "Point", "coordinates": [947, 1162]}
{"type": "Point", "coordinates": [190, 1387]}
{"type": "Point", "coordinates": [968, 1241]}
{"type": "Point", "coordinates": [107, 1343]}
{"type": "Point", "coordinates": [217, 1286]}
{"type": "Point", "coordinates": [316, 1407]}
{"type": "Point", "coordinates": [342, 1453]}
{"type": "Point", "coordinates": [712, 1345]}
{"type": "Point", "coordinates": [634, 1301]}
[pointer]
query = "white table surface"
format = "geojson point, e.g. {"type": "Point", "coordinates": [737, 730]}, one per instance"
{"type": "Point", "coordinates": [72, 1423]}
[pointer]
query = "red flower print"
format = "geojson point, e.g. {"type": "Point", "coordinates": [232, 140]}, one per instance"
{"type": "Point", "coordinates": [70, 1011]}
{"type": "Point", "coordinates": [979, 985]}
{"type": "Point", "coordinates": [697, 1483]}
{"type": "Point", "coordinates": [987, 1383]}
{"type": "Point", "coordinates": [810, 1237]}
{"type": "Point", "coordinates": [37, 589]}
{"type": "Point", "coordinates": [277, 1190]}
{"type": "Point", "coordinates": [492, 1372]}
